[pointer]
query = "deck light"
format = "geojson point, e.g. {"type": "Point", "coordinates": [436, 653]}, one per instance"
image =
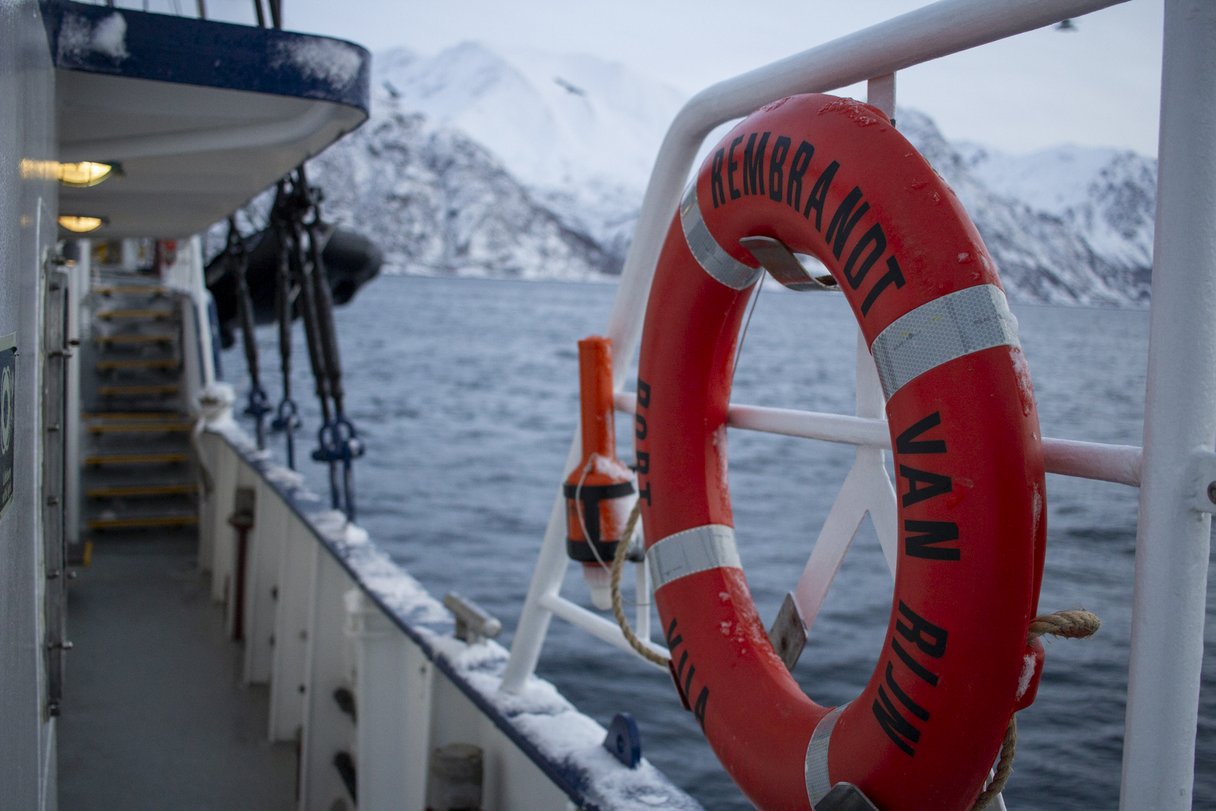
{"type": "Point", "coordinates": [79, 223]}
{"type": "Point", "coordinates": [78, 174]}
{"type": "Point", "coordinates": [83, 174]}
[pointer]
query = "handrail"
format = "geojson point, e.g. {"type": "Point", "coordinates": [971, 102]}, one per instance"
{"type": "Point", "coordinates": [1176, 464]}
{"type": "Point", "coordinates": [1068, 457]}
{"type": "Point", "coordinates": [928, 33]}
{"type": "Point", "coordinates": [919, 36]}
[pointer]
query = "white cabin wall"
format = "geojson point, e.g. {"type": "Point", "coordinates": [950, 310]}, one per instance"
{"type": "Point", "coordinates": [28, 210]}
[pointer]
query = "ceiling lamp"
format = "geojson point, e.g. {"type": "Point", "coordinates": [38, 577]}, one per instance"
{"type": "Point", "coordinates": [79, 223]}
{"type": "Point", "coordinates": [79, 174]}
{"type": "Point", "coordinates": [82, 174]}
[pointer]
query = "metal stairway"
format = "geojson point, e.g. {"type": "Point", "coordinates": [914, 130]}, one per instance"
{"type": "Point", "coordinates": [137, 458]}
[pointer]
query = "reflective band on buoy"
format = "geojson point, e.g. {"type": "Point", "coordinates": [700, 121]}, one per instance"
{"type": "Point", "coordinates": [709, 254]}
{"type": "Point", "coordinates": [940, 331]}
{"type": "Point", "coordinates": [694, 550]}
{"type": "Point", "coordinates": [818, 784]}
{"type": "Point", "coordinates": [831, 178]}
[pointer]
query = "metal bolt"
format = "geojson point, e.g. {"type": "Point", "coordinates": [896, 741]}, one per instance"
{"type": "Point", "coordinates": [53, 574]}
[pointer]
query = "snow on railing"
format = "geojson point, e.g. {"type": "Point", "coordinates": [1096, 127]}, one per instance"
{"type": "Point", "coordinates": [327, 609]}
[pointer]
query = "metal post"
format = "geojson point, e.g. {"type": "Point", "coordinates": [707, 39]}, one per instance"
{"type": "Point", "coordinates": [1174, 538]}
{"type": "Point", "coordinates": [327, 730]}
{"type": "Point", "coordinates": [297, 562]}
{"type": "Point", "coordinates": [546, 580]}
{"type": "Point", "coordinates": [270, 522]}
{"type": "Point", "coordinates": [393, 727]}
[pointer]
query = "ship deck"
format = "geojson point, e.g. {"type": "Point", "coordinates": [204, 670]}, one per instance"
{"type": "Point", "coordinates": [155, 715]}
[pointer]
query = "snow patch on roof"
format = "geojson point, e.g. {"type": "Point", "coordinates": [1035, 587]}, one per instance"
{"type": "Point", "coordinates": [108, 37]}
{"type": "Point", "coordinates": [333, 62]}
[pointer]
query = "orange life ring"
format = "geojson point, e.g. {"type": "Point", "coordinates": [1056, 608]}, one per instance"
{"type": "Point", "coordinates": [832, 178]}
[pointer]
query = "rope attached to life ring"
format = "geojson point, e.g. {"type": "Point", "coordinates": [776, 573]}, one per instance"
{"type": "Point", "coordinates": [1072, 624]}
{"type": "Point", "coordinates": [618, 610]}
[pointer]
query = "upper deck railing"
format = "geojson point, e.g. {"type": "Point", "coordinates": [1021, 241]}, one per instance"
{"type": "Point", "coordinates": [1175, 470]}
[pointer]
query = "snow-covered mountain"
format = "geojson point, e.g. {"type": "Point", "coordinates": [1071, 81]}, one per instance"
{"type": "Point", "coordinates": [1068, 225]}
{"type": "Point", "coordinates": [489, 162]}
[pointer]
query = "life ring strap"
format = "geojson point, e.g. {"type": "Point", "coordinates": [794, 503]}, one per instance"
{"type": "Point", "coordinates": [940, 331]}
{"type": "Point", "coordinates": [694, 550]}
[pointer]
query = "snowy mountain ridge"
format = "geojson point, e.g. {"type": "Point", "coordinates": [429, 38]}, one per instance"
{"type": "Point", "coordinates": [490, 162]}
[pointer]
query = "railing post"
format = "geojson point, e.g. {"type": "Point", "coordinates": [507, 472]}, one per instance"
{"type": "Point", "coordinates": [546, 581]}
{"type": "Point", "coordinates": [1174, 539]}
{"type": "Point", "coordinates": [326, 728]}
{"type": "Point", "coordinates": [393, 691]}
{"type": "Point", "coordinates": [262, 581]}
{"type": "Point", "coordinates": [297, 560]}
{"type": "Point", "coordinates": [224, 477]}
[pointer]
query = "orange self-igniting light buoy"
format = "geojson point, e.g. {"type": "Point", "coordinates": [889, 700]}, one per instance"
{"type": "Point", "coordinates": [599, 491]}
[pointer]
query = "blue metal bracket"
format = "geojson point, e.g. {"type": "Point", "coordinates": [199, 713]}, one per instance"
{"type": "Point", "coordinates": [624, 741]}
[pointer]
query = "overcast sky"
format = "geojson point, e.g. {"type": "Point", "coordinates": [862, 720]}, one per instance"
{"type": "Point", "coordinates": [1097, 85]}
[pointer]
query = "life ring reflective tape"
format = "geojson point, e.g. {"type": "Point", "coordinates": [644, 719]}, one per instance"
{"type": "Point", "coordinates": [832, 178]}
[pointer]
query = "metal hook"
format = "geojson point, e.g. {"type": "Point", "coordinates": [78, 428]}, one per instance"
{"type": "Point", "coordinates": [784, 266]}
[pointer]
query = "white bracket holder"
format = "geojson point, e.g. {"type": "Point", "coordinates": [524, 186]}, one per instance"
{"type": "Point", "coordinates": [1202, 479]}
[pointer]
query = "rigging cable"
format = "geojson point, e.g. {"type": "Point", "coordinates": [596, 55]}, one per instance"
{"type": "Point", "coordinates": [287, 417]}
{"type": "Point", "coordinates": [299, 203]}
{"type": "Point", "coordinates": [238, 262]}
{"type": "Point", "coordinates": [338, 440]}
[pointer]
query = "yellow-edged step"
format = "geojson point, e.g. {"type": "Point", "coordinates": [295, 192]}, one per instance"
{"type": "Point", "coordinates": [135, 391]}
{"type": "Point", "coordinates": [136, 314]}
{"type": "Point", "coordinates": [136, 459]}
{"type": "Point", "coordinates": [131, 427]}
{"type": "Point", "coordinates": [150, 290]}
{"type": "Point", "coordinates": [150, 416]}
{"type": "Point", "coordinates": [139, 490]}
{"type": "Point", "coordinates": [143, 521]}
{"type": "Point", "coordinates": [135, 339]}
{"type": "Point", "coordinates": [137, 363]}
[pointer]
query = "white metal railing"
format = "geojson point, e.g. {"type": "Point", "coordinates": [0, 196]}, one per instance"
{"type": "Point", "coordinates": [322, 609]}
{"type": "Point", "coordinates": [186, 275]}
{"type": "Point", "coordinates": [1177, 463]}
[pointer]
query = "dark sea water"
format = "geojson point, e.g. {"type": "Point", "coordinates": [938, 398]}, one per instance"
{"type": "Point", "coordinates": [466, 394]}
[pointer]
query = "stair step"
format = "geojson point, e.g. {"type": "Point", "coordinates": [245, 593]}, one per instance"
{"type": "Point", "coordinates": [167, 364]}
{"type": "Point", "coordinates": [144, 521]}
{"type": "Point", "coordinates": [151, 416]}
{"type": "Point", "coordinates": [152, 290]}
{"type": "Point", "coordinates": [132, 427]}
{"type": "Point", "coordinates": [135, 339]}
{"type": "Point", "coordinates": [139, 391]}
{"type": "Point", "coordinates": [136, 459]}
{"type": "Point", "coordinates": [142, 490]}
{"type": "Point", "coordinates": [136, 315]}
